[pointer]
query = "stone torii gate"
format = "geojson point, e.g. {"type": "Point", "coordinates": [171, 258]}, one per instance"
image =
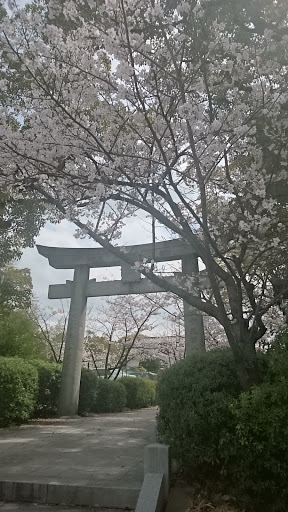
{"type": "Point", "coordinates": [78, 290]}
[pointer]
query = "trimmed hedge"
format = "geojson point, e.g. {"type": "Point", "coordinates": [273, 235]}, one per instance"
{"type": "Point", "coordinates": [111, 396]}
{"type": "Point", "coordinates": [100, 395]}
{"type": "Point", "coordinates": [31, 390]}
{"type": "Point", "coordinates": [18, 389]}
{"type": "Point", "coordinates": [88, 391]}
{"type": "Point", "coordinates": [49, 378]}
{"type": "Point", "coordinates": [195, 419]}
{"type": "Point", "coordinates": [140, 392]}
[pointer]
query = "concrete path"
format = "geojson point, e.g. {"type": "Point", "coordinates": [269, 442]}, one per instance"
{"type": "Point", "coordinates": [104, 451]}
{"type": "Point", "coordinates": [34, 507]}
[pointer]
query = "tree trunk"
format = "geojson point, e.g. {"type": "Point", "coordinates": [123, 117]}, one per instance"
{"type": "Point", "coordinates": [247, 365]}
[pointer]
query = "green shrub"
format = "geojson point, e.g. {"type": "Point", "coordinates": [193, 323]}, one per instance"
{"type": "Point", "coordinates": [140, 392]}
{"type": "Point", "coordinates": [217, 431]}
{"type": "Point", "coordinates": [88, 391]}
{"type": "Point", "coordinates": [261, 468]}
{"type": "Point", "coordinates": [195, 418]}
{"type": "Point", "coordinates": [111, 396]}
{"type": "Point", "coordinates": [261, 415]}
{"type": "Point", "coordinates": [49, 378]}
{"type": "Point", "coordinates": [18, 388]}
{"type": "Point", "coordinates": [150, 393]}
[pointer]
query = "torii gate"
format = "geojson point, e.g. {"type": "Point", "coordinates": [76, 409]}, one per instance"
{"type": "Point", "coordinates": [81, 260]}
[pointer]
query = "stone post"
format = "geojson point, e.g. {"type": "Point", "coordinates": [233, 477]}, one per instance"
{"type": "Point", "coordinates": [157, 460]}
{"type": "Point", "coordinates": [193, 320]}
{"type": "Point", "coordinates": [72, 362]}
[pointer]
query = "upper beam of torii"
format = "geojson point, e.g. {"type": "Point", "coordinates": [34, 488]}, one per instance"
{"type": "Point", "coordinates": [60, 257]}
{"type": "Point", "coordinates": [131, 283]}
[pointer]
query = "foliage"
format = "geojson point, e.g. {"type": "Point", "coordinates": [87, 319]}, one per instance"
{"type": "Point", "coordinates": [88, 391]}
{"type": "Point", "coordinates": [46, 400]}
{"type": "Point", "coordinates": [260, 463]}
{"type": "Point", "coordinates": [20, 218]}
{"type": "Point", "coordinates": [15, 288]}
{"type": "Point", "coordinates": [20, 222]}
{"type": "Point", "coordinates": [18, 388]}
{"type": "Point", "coordinates": [152, 365]}
{"type": "Point", "coordinates": [19, 333]}
{"type": "Point", "coordinates": [140, 392]}
{"type": "Point", "coordinates": [111, 396]}
{"type": "Point", "coordinates": [278, 357]}
{"type": "Point", "coordinates": [19, 336]}
{"type": "Point", "coordinates": [219, 433]}
{"type": "Point", "coordinates": [261, 443]}
{"type": "Point", "coordinates": [194, 398]}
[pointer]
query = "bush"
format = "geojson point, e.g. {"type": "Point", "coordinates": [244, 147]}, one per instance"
{"type": "Point", "coordinates": [261, 468]}
{"type": "Point", "coordinates": [88, 391]}
{"type": "Point", "coordinates": [195, 418]}
{"type": "Point", "coordinates": [261, 418]}
{"type": "Point", "coordinates": [100, 395]}
{"type": "Point", "coordinates": [140, 392]}
{"type": "Point", "coordinates": [217, 431]}
{"type": "Point", "coordinates": [18, 388]}
{"type": "Point", "coordinates": [111, 396]}
{"type": "Point", "coordinates": [49, 378]}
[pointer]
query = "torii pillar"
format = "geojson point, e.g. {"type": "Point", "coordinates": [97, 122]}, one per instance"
{"type": "Point", "coordinates": [193, 320]}
{"type": "Point", "coordinates": [81, 260]}
{"type": "Point", "coordinates": [72, 361]}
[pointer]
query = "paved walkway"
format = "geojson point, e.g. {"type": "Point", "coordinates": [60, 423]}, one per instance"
{"type": "Point", "coordinates": [103, 451]}
{"type": "Point", "coordinates": [34, 507]}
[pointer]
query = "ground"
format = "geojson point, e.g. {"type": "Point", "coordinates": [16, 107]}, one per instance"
{"type": "Point", "coordinates": [185, 499]}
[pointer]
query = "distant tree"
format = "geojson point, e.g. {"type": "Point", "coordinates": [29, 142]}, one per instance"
{"type": "Point", "coordinates": [19, 336]}
{"type": "Point", "coordinates": [15, 288]}
{"type": "Point", "coordinates": [19, 333]}
{"type": "Point", "coordinates": [152, 365]}
{"type": "Point", "coordinates": [20, 222]}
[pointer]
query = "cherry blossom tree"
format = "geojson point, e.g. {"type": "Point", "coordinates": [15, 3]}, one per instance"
{"type": "Point", "coordinates": [114, 333]}
{"type": "Point", "coordinates": [175, 109]}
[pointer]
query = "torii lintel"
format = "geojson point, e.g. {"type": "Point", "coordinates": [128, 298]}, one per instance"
{"type": "Point", "coordinates": [60, 257]}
